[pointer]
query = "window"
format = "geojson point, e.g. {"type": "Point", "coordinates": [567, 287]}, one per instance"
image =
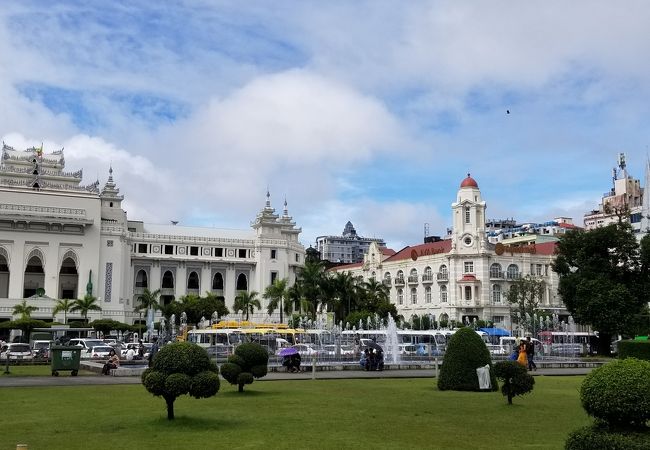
{"type": "Point", "coordinates": [169, 249]}
{"type": "Point", "coordinates": [297, 257]}
{"type": "Point", "coordinates": [427, 294]}
{"type": "Point", "coordinates": [109, 243]}
{"type": "Point", "coordinates": [443, 294]}
{"type": "Point", "coordinates": [274, 276]}
{"type": "Point", "coordinates": [141, 279]}
{"type": "Point", "coordinates": [242, 253]}
{"type": "Point", "coordinates": [414, 296]}
{"type": "Point", "coordinates": [496, 293]}
{"type": "Point", "coordinates": [538, 269]}
{"type": "Point", "coordinates": [400, 297]}
{"type": "Point", "coordinates": [218, 252]}
{"type": "Point", "coordinates": [194, 251]}
{"type": "Point", "coordinates": [217, 282]}
{"type": "Point", "coordinates": [467, 215]}
{"type": "Point", "coordinates": [193, 281]}
{"type": "Point", "coordinates": [513, 271]}
{"type": "Point", "coordinates": [495, 271]}
{"type": "Point", "coordinates": [142, 248]}
{"type": "Point", "coordinates": [274, 253]}
{"type": "Point", "coordinates": [468, 267]}
{"type": "Point", "coordinates": [468, 293]}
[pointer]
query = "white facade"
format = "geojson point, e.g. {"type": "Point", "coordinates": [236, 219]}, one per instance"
{"type": "Point", "coordinates": [67, 240]}
{"type": "Point", "coordinates": [464, 277]}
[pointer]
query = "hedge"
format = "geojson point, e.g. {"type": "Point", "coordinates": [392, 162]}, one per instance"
{"type": "Point", "coordinates": [634, 349]}
{"type": "Point", "coordinates": [593, 437]}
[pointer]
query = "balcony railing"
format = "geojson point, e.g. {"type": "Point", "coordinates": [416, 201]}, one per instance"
{"type": "Point", "coordinates": [513, 276]}
{"type": "Point", "coordinates": [413, 279]}
{"type": "Point", "coordinates": [386, 281]}
{"type": "Point", "coordinates": [427, 278]}
{"type": "Point", "coordinates": [443, 276]}
{"type": "Point", "coordinates": [399, 281]}
{"type": "Point", "coordinates": [496, 275]}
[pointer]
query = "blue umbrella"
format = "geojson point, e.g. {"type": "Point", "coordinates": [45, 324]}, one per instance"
{"type": "Point", "coordinates": [288, 351]}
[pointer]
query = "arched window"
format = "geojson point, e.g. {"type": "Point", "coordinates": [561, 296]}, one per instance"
{"type": "Point", "coordinates": [400, 297]}
{"type": "Point", "coordinates": [427, 294]}
{"type": "Point", "coordinates": [217, 281]}
{"type": "Point", "coordinates": [242, 282]}
{"type": "Point", "coordinates": [193, 281]}
{"type": "Point", "coordinates": [428, 274]}
{"type": "Point", "coordinates": [513, 271]}
{"type": "Point", "coordinates": [168, 280]}
{"type": "Point", "coordinates": [414, 296]}
{"type": "Point", "coordinates": [496, 293]}
{"type": "Point", "coordinates": [413, 276]}
{"type": "Point", "coordinates": [467, 214]}
{"type": "Point", "coordinates": [141, 279]}
{"type": "Point", "coordinates": [495, 271]}
{"type": "Point", "coordinates": [399, 278]}
{"type": "Point", "coordinates": [34, 274]}
{"type": "Point", "coordinates": [4, 273]}
{"type": "Point", "coordinates": [443, 294]}
{"type": "Point", "coordinates": [443, 273]}
{"type": "Point", "coordinates": [387, 279]}
{"type": "Point", "coordinates": [68, 279]}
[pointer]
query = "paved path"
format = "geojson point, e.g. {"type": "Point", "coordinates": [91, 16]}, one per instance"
{"type": "Point", "coordinates": [96, 380]}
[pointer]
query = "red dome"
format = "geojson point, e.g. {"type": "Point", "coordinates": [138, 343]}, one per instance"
{"type": "Point", "coordinates": [469, 182]}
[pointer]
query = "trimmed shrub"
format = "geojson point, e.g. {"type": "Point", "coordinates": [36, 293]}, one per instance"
{"type": "Point", "coordinates": [178, 369]}
{"type": "Point", "coordinates": [618, 393]}
{"type": "Point", "coordinates": [515, 377]}
{"type": "Point", "coordinates": [634, 349]}
{"type": "Point", "coordinates": [249, 361]}
{"type": "Point", "coordinates": [593, 437]}
{"type": "Point", "coordinates": [466, 352]}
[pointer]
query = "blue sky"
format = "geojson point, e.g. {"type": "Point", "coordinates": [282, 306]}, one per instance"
{"type": "Point", "coordinates": [369, 111]}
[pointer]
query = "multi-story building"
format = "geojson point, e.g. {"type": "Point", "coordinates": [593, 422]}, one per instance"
{"type": "Point", "coordinates": [528, 232]}
{"type": "Point", "coordinates": [623, 201]}
{"type": "Point", "coordinates": [347, 248]}
{"type": "Point", "coordinates": [464, 277]}
{"type": "Point", "coordinates": [59, 239]}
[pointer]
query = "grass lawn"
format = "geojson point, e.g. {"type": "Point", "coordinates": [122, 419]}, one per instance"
{"type": "Point", "coordinates": [36, 370]}
{"type": "Point", "coordinates": [295, 414]}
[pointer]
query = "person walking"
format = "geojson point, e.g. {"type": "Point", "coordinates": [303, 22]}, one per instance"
{"type": "Point", "coordinates": [530, 354]}
{"type": "Point", "coordinates": [154, 350]}
{"type": "Point", "coordinates": [522, 358]}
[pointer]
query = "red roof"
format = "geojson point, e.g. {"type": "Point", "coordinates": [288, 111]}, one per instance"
{"type": "Point", "coordinates": [344, 267]}
{"type": "Point", "coordinates": [545, 248]}
{"type": "Point", "coordinates": [469, 182]}
{"type": "Point", "coordinates": [388, 251]}
{"type": "Point", "coordinates": [468, 277]}
{"type": "Point", "coordinates": [568, 225]}
{"type": "Point", "coordinates": [417, 251]}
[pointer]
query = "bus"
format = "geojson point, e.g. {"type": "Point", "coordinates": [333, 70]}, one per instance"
{"type": "Point", "coordinates": [567, 343]}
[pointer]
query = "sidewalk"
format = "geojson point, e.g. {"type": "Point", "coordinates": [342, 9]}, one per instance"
{"type": "Point", "coordinates": [97, 380]}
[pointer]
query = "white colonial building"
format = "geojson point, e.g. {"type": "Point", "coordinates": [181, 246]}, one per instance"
{"type": "Point", "coordinates": [59, 239]}
{"type": "Point", "coordinates": [464, 277]}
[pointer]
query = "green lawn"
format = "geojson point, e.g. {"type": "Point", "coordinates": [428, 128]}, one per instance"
{"type": "Point", "coordinates": [36, 370]}
{"type": "Point", "coordinates": [297, 414]}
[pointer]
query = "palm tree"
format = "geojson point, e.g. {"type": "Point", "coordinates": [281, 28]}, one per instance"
{"type": "Point", "coordinates": [246, 302]}
{"type": "Point", "coordinates": [24, 310]}
{"type": "Point", "coordinates": [63, 305]}
{"type": "Point", "coordinates": [148, 300]}
{"type": "Point", "coordinates": [375, 292]}
{"type": "Point", "coordinates": [84, 305]}
{"type": "Point", "coordinates": [312, 279]}
{"type": "Point", "coordinates": [346, 288]}
{"type": "Point", "coordinates": [277, 294]}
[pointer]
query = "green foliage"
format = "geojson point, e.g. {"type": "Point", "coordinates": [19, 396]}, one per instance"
{"type": "Point", "coordinates": [24, 310]}
{"type": "Point", "coordinates": [25, 325]}
{"type": "Point", "coordinates": [515, 377]}
{"type": "Point", "coordinates": [604, 278]}
{"type": "Point", "coordinates": [196, 307]}
{"type": "Point", "coordinates": [634, 349]}
{"type": "Point", "coordinates": [249, 361]}
{"type": "Point", "coordinates": [181, 368]}
{"type": "Point", "coordinates": [85, 305]}
{"type": "Point", "coordinates": [278, 296]}
{"type": "Point", "coordinates": [247, 303]}
{"type": "Point", "coordinates": [525, 294]}
{"type": "Point", "coordinates": [465, 353]}
{"type": "Point", "coordinates": [105, 326]}
{"type": "Point", "coordinates": [594, 437]}
{"type": "Point", "coordinates": [618, 393]}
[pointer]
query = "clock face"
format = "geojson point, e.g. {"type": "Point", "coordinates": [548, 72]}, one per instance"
{"type": "Point", "coordinates": [467, 240]}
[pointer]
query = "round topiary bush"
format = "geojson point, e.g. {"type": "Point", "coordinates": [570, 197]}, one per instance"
{"type": "Point", "coordinates": [594, 437]}
{"type": "Point", "coordinates": [178, 369]}
{"type": "Point", "coordinates": [465, 353]}
{"type": "Point", "coordinates": [250, 361]}
{"type": "Point", "coordinates": [515, 377]}
{"type": "Point", "coordinates": [618, 393]}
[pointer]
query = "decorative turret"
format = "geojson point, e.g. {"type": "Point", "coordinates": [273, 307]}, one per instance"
{"type": "Point", "coordinates": [468, 234]}
{"type": "Point", "coordinates": [110, 191]}
{"type": "Point", "coordinates": [112, 202]}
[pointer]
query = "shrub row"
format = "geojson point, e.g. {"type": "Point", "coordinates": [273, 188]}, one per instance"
{"type": "Point", "coordinates": [634, 349]}
{"type": "Point", "coordinates": [594, 437]}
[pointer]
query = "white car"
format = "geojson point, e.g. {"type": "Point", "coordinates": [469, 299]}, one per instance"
{"type": "Point", "coordinates": [85, 344]}
{"type": "Point", "coordinates": [99, 352]}
{"type": "Point", "coordinates": [16, 351]}
{"type": "Point", "coordinates": [305, 349]}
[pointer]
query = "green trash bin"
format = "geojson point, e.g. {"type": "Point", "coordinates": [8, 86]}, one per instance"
{"type": "Point", "coordinates": [65, 358]}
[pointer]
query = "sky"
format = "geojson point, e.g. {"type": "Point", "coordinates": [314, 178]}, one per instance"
{"type": "Point", "coordinates": [368, 111]}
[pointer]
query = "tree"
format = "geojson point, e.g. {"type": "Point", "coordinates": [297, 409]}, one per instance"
{"type": "Point", "coordinates": [85, 305]}
{"type": "Point", "coordinates": [105, 326]}
{"type": "Point", "coordinates": [311, 280]}
{"type": "Point", "coordinates": [525, 294]}
{"type": "Point", "coordinates": [277, 294]}
{"type": "Point", "coordinates": [64, 306]}
{"type": "Point", "coordinates": [24, 310]}
{"type": "Point", "coordinates": [181, 368]}
{"type": "Point", "coordinates": [375, 293]}
{"type": "Point", "coordinates": [604, 278]}
{"type": "Point", "coordinates": [247, 302]}
{"type": "Point", "coordinates": [26, 325]}
{"type": "Point", "coordinates": [249, 361]}
{"type": "Point", "coordinates": [515, 377]}
{"type": "Point", "coordinates": [148, 300]}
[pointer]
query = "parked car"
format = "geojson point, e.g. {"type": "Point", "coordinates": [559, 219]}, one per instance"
{"type": "Point", "coordinates": [219, 351]}
{"type": "Point", "coordinates": [41, 349]}
{"type": "Point", "coordinates": [135, 346]}
{"type": "Point", "coordinates": [330, 350]}
{"type": "Point", "coordinates": [16, 351]}
{"type": "Point", "coordinates": [306, 350]}
{"type": "Point", "coordinates": [98, 352]}
{"type": "Point", "coordinates": [85, 344]}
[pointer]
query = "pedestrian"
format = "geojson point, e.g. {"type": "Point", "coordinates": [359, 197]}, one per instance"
{"type": "Point", "coordinates": [530, 354]}
{"type": "Point", "coordinates": [522, 359]}
{"type": "Point", "coordinates": [112, 363]}
{"type": "Point", "coordinates": [153, 351]}
{"type": "Point", "coordinates": [140, 349]}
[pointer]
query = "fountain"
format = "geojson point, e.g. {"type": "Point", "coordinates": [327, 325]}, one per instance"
{"type": "Point", "coordinates": [172, 321]}
{"type": "Point", "coordinates": [392, 343]}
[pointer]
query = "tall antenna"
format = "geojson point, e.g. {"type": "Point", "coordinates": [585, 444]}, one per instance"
{"type": "Point", "coordinates": [426, 230]}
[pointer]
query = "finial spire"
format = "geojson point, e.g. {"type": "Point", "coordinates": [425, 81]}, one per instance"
{"type": "Point", "coordinates": [268, 198]}
{"type": "Point", "coordinates": [286, 211]}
